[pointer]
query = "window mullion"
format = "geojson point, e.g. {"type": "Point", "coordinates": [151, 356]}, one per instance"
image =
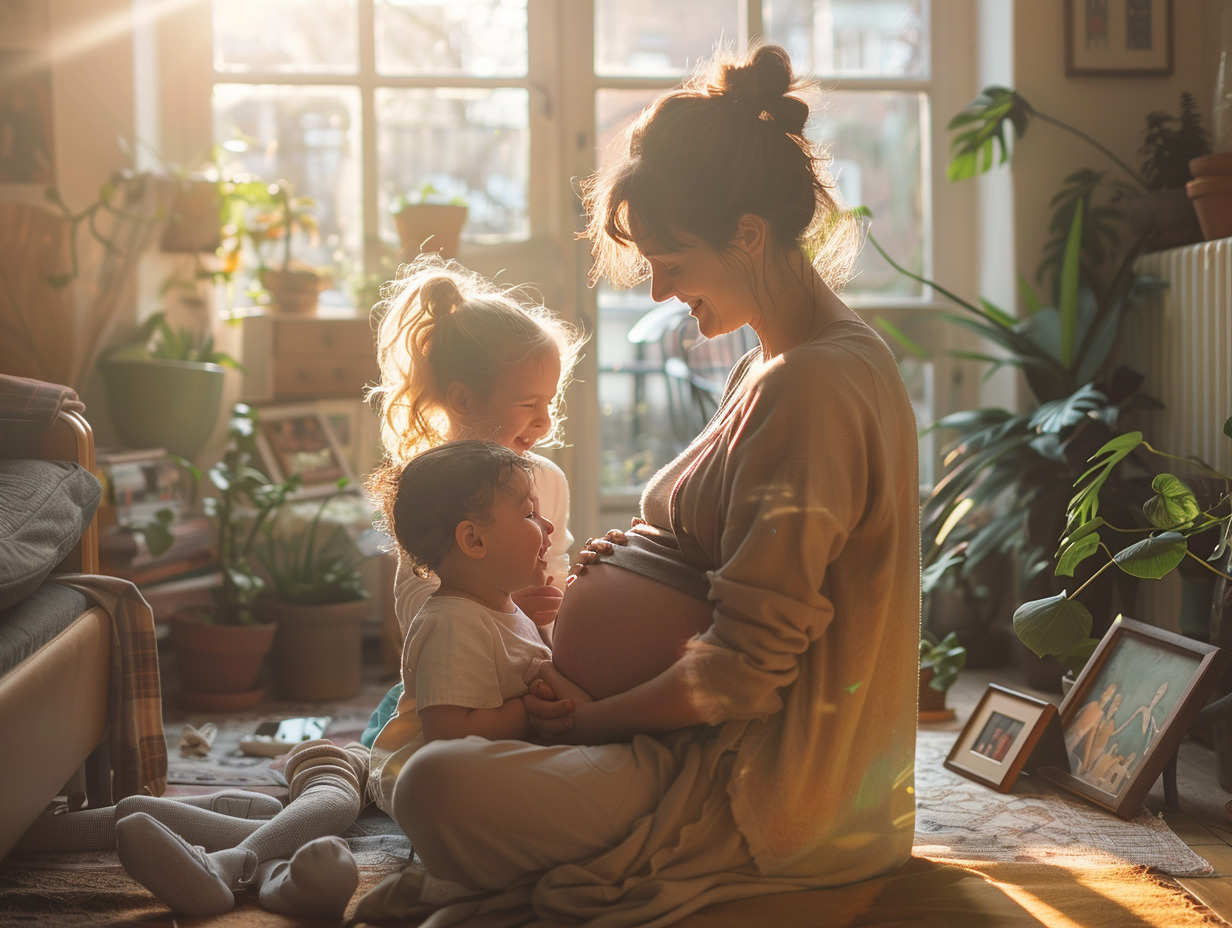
{"type": "Point", "coordinates": [369, 166]}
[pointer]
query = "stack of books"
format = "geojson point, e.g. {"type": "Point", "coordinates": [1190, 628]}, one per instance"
{"type": "Point", "coordinates": [138, 486]}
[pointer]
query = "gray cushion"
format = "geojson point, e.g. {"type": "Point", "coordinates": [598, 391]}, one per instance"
{"type": "Point", "coordinates": [44, 508]}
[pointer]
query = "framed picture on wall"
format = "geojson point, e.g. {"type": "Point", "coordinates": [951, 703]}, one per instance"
{"type": "Point", "coordinates": [25, 118]}
{"type": "Point", "coordinates": [1129, 709]}
{"type": "Point", "coordinates": [296, 439]}
{"type": "Point", "coordinates": [999, 737]}
{"type": "Point", "coordinates": [1118, 38]}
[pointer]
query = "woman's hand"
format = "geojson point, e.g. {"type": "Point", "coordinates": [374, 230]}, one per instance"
{"type": "Point", "coordinates": [551, 702]}
{"type": "Point", "coordinates": [595, 548]}
{"type": "Point", "coordinates": [540, 603]}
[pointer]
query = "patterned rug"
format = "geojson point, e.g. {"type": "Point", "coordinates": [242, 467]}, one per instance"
{"type": "Point", "coordinates": [977, 852]}
{"type": "Point", "coordinates": [959, 819]}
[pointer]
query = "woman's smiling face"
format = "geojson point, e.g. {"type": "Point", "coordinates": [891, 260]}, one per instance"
{"type": "Point", "coordinates": [718, 294]}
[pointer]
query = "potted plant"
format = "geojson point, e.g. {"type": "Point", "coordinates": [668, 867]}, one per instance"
{"type": "Point", "coordinates": [1170, 523]}
{"type": "Point", "coordinates": [220, 650]}
{"type": "Point", "coordinates": [1165, 213]}
{"type": "Point", "coordinates": [1007, 474]}
{"type": "Point", "coordinates": [940, 661]}
{"type": "Point", "coordinates": [429, 220]}
{"type": "Point", "coordinates": [259, 217]}
{"type": "Point", "coordinates": [315, 595]}
{"type": "Point", "coordinates": [164, 388]}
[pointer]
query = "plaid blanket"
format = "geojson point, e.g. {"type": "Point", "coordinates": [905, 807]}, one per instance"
{"type": "Point", "coordinates": [136, 747]}
{"type": "Point", "coordinates": [26, 400]}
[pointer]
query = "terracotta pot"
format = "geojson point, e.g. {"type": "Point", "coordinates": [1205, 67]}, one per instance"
{"type": "Point", "coordinates": [425, 227]}
{"type": "Point", "coordinates": [1212, 199]}
{"type": "Point", "coordinates": [318, 650]}
{"type": "Point", "coordinates": [1218, 163]}
{"type": "Point", "coordinates": [194, 226]}
{"type": "Point", "coordinates": [294, 292]}
{"type": "Point", "coordinates": [220, 661]}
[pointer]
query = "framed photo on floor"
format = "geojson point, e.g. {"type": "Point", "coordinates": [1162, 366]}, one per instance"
{"type": "Point", "coordinates": [999, 737]}
{"type": "Point", "coordinates": [1118, 38]}
{"type": "Point", "coordinates": [297, 439]}
{"type": "Point", "coordinates": [1129, 709]}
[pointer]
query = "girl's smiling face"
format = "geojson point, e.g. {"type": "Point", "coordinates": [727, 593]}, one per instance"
{"type": "Point", "coordinates": [517, 413]}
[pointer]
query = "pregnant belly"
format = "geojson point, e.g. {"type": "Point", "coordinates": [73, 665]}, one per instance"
{"type": "Point", "coordinates": [616, 629]}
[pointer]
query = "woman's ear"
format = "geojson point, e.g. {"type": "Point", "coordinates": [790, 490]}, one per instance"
{"type": "Point", "coordinates": [752, 234]}
{"type": "Point", "coordinates": [469, 539]}
{"type": "Point", "coordinates": [459, 400]}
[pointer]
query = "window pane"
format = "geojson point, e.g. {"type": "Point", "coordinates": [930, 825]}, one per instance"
{"type": "Point", "coordinates": [308, 136]}
{"type": "Point", "coordinates": [875, 139]}
{"type": "Point", "coordinates": [481, 38]}
{"type": "Point", "coordinates": [286, 36]}
{"type": "Point", "coordinates": [463, 142]}
{"type": "Point", "coordinates": [869, 38]}
{"type": "Point", "coordinates": [651, 38]}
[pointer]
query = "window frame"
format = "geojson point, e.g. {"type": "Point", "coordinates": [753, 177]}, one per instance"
{"type": "Point", "coordinates": [562, 84]}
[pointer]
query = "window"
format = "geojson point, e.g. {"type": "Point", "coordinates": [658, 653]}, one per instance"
{"type": "Point", "coordinates": [506, 102]}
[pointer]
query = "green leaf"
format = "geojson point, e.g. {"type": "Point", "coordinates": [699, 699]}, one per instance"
{"type": "Point", "coordinates": [1068, 301]}
{"type": "Point", "coordinates": [1154, 557]}
{"type": "Point", "coordinates": [1075, 550]}
{"type": "Point", "coordinates": [1053, 625]}
{"type": "Point", "coordinates": [1085, 504]}
{"type": "Point", "coordinates": [908, 345]}
{"type": "Point", "coordinates": [1173, 506]}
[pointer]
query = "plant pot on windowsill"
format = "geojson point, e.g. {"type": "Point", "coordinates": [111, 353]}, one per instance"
{"type": "Point", "coordinates": [425, 227]}
{"type": "Point", "coordinates": [293, 290]}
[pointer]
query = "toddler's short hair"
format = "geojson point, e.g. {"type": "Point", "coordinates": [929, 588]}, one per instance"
{"type": "Point", "coordinates": [424, 500]}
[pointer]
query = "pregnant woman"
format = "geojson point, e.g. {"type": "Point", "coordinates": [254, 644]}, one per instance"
{"type": "Point", "coordinates": [738, 679]}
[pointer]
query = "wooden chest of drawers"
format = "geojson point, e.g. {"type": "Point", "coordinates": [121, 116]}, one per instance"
{"type": "Point", "coordinates": [289, 358]}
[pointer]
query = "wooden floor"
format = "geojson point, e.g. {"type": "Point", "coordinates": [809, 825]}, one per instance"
{"type": "Point", "coordinates": [1202, 821]}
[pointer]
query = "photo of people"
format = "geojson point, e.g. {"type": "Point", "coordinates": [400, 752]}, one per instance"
{"type": "Point", "coordinates": [1131, 697]}
{"type": "Point", "coordinates": [301, 446]}
{"type": "Point", "coordinates": [997, 736]}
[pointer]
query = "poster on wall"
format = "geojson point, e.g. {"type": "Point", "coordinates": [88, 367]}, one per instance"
{"type": "Point", "coordinates": [1118, 38]}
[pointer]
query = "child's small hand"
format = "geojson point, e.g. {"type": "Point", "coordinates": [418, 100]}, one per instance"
{"type": "Point", "coordinates": [550, 704]}
{"type": "Point", "coordinates": [540, 603]}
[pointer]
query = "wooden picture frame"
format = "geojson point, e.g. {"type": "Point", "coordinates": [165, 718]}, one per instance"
{"type": "Point", "coordinates": [1129, 709]}
{"type": "Point", "coordinates": [296, 438]}
{"type": "Point", "coordinates": [1118, 38]}
{"type": "Point", "coordinates": [999, 737]}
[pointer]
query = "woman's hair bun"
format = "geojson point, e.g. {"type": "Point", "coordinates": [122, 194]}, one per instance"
{"type": "Point", "coordinates": [761, 87]}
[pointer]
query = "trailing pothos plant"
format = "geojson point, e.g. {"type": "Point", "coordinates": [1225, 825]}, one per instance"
{"type": "Point", "coordinates": [1155, 544]}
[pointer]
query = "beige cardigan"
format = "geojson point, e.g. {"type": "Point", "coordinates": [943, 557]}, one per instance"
{"type": "Point", "coordinates": [804, 492]}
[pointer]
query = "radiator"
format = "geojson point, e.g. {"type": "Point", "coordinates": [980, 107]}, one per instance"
{"type": "Point", "coordinates": [1183, 344]}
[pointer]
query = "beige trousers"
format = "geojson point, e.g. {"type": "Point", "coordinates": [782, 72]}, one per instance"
{"type": "Point", "coordinates": [487, 813]}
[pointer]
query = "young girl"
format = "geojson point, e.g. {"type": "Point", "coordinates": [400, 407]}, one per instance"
{"type": "Point", "coordinates": [461, 358]}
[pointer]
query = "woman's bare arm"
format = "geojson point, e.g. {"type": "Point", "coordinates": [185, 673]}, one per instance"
{"type": "Point", "coordinates": [659, 705]}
